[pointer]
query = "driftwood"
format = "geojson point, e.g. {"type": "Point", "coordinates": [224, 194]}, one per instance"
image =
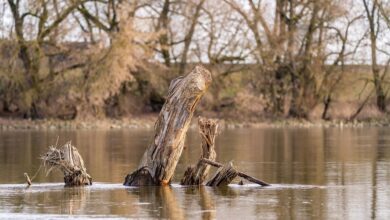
{"type": "Point", "coordinates": [223, 176]}
{"type": "Point", "coordinates": [160, 159]}
{"type": "Point", "coordinates": [68, 160]}
{"type": "Point", "coordinates": [195, 175]}
{"type": "Point", "coordinates": [240, 174]}
{"type": "Point", "coordinates": [28, 180]}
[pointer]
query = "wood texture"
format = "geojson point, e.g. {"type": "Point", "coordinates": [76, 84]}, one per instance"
{"type": "Point", "coordinates": [240, 174]}
{"type": "Point", "coordinates": [223, 176]}
{"type": "Point", "coordinates": [195, 175]}
{"type": "Point", "coordinates": [69, 161]}
{"type": "Point", "coordinates": [160, 159]}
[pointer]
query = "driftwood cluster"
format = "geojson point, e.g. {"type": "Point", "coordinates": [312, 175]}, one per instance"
{"type": "Point", "coordinates": [196, 175]}
{"type": "Point", "coordinates": [159, 161]}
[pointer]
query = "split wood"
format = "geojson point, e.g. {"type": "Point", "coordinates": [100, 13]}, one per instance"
{"type": "Point", "coordinates": [68, 160]}
{"type": "Point", "coordinates": [240, 174]}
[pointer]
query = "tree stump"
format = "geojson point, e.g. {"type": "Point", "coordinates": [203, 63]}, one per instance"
{"type": "Point", "coordinates": [223, 176]}
{"type": "Point", "coordinates": [195, 175]}
{"type": "Point", "coordinates": [69, 161]}
{"type": "Point", "coordinates": [160, 159]}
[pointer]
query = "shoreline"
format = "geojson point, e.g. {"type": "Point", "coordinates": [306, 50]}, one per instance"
{"type": "Point", "coordinates": [147, 122]}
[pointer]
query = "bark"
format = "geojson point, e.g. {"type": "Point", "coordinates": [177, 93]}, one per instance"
{"type": "Point", "coordinates": [160, 159]}
{"type": "Point", "coordinates": [195, 175]}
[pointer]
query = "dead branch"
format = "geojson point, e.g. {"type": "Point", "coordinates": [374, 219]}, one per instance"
{"type": "Point", "coordinates": [240, 174]}
{"type": "Point", "coordinates": [223, 176]}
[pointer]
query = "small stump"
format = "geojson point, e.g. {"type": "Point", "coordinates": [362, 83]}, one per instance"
{"type": "Point", "coordinates": [196, 175]}
{"type": "Point", "coordinates": [68, 160]}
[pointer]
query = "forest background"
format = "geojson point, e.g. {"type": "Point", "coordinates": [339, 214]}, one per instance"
{"type": "Point", "coordinates": [270, 59]}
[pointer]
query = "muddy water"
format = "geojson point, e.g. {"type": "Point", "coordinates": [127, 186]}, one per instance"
{"type": "Point", "coordinates": [316, 174]}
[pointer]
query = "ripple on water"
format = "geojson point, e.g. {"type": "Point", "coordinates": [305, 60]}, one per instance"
{"type": "Point", "coordinates": [43, 187]}
{"type": "Point", "coordinates": [46, 187]}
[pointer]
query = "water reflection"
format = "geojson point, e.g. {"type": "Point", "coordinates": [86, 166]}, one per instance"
{"type": "Point", "coordinates": [74, 200]}
{"type": "Point", "coordinates": [317, 174]}
{"type": "Point", "coordinates": [161, 202]}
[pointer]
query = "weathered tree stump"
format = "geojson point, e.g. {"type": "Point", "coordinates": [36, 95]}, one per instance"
{"type": "Point", "coordinates": [195, 175]}
{"type": "Point", "coordinates": [69, 161]}
{"type": "Point", "coordinates": [223, 176]}
{"type": "Point", "coordinates": [160, 159]}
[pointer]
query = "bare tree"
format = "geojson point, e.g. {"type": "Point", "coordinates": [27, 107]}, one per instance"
{"type": "Point", "coordinates": [30, 49]}
{"type": "Point", "coordinates": [375, 14]}
{"type": "Point", "coordinates": [194, 16]}
{"type": "Point", "coordinates": [373, 18]}
{"type": "Point", "coordinates": [293, 60]}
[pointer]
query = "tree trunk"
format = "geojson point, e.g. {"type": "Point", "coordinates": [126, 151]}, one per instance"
{"type": "Point", "coordinates": [327, 101]}
{"type": "Point", "coordinates": [381, 101]}
{"type": "Point", "coordinates": [163, 24]}
{"type": "Point", "coordinates": [195, 175]}
{"type": "Point", "coordinates": [371, 18]}
{"type": "Point", "coordinates": [304, 96]}
{"type": "Point", "coordinates": [160, 159]}
{"type": "Point", "coordinates": [380, 94]}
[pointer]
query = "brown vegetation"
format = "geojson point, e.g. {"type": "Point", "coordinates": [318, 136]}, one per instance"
{"type": "Point", "coordinates": [286, 58]}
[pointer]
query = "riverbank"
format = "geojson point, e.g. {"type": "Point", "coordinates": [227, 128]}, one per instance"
{"type": "Point", "coordinates": [147, 122]}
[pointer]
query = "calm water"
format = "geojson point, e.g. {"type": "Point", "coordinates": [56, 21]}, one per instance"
{"type": "Point", "coordinates": [316, 174]}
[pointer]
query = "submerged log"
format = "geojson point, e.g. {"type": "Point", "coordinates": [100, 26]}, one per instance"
{"type": "Point", "coordinates": [68, 160]}
{"type": "Point", "coordinates": [223, 176]}
{"type": "Point", "coordinates": [160, 159]}
{"type": "Point", "coordinates": [195, 175]}
{"type": "Point", "coordinates": [240, 174]}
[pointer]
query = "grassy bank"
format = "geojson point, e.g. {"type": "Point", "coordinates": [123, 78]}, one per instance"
{"type": "Point", "coordinates": [147, 122]}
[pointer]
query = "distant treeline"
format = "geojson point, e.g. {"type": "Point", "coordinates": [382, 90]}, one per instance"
{"type": "Point", "coordinates": [271, 58]}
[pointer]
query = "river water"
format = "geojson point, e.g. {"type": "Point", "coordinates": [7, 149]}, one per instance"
{"type": "Point", "coordinates": [316, 173]}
